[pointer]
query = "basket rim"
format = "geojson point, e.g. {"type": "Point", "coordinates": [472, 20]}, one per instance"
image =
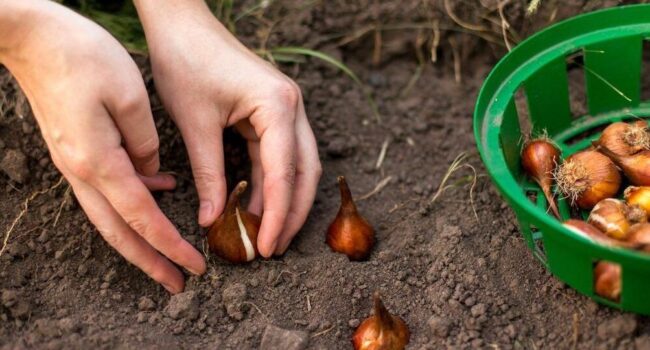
{"type": "Point", "coordinates": [493, 159]}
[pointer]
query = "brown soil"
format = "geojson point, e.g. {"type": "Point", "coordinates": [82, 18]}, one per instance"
{"type": "Point", "coordinates": [457, 281]}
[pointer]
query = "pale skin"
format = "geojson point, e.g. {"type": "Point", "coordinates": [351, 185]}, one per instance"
{"type": "Point", "coordinates": [91, 104]}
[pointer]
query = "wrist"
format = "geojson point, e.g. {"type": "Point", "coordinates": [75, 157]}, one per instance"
{"type": "Point", "coordinates": [154, 12]}
{"type": "Point", "coordinates": [16, 21]}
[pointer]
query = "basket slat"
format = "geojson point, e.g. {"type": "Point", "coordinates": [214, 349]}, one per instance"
{"type": "Point", "coordinates": [613, 74]}
{"type": "Point", "coordinates": [511, 135]}
{"type": "Point", "coordinates": [547, 91]}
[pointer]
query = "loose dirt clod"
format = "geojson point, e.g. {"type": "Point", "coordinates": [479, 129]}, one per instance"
{"type": "Point", "coordinates": [14, 164]}
{"type": "Point", "coordinates": [278, 338]}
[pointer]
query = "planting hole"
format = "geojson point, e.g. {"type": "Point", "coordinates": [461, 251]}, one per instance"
{"type": "Point", "coordinates": [577, 89]}
{"type": "Point", "coordinates": [608, 281]}
{"type": "Point", "coordinates": [645, 71]}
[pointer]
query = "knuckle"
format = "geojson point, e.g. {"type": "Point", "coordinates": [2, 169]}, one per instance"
{"type": "Point", "coordinates": [111, 237]}
{"type": "Point", "coordinates": [207, 175]}
{"type": "Point", "coordinates": [147, 148]}
{"type": "Point", "coordinates": [142, 227]}
{"type": "Point", "coordinates": [288, 93]}
{"type": "Point", "coordinates": [287, 175]}
{"type": "Point", "coordinates": [82, 165]}
{"type": "Point", "coordinates": [133, 101]}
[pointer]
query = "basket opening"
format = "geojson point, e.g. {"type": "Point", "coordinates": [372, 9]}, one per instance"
{"type": "Point", "coordinates": [608, 281]}
{"type": "Point", "coordinates": [523, 112]}
{"type": "Point", "coordinates": [645, 69]}
{"type": "Point", "coordinates": [576, 78]}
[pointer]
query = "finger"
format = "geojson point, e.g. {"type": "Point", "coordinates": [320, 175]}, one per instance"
{"type": "Point", "coordinates": [308, 172]}
{"type": "Point", "coordinates": [277, 154]}
{"type": "Point", "coordinates": [205, 149]}
{"type": "Point", "coordinates": [129, 107]}
{"type": "Point", "coordinates": [158, 182]}
{"type": "Point", "coordinates": [257, 178]}
{"type": "Point", "coordinates": [134, 203]}
{"type": "Point", "coordinates": [128, 243]}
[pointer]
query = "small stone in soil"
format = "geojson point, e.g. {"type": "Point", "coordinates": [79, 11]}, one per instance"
{"type": "Point", "coordinates": [14, 164]}
{"type": "Point", "coordinates": [439, 326]}
{"type": "Point", "coordinates": [278, 338]}
{"type": "Point", "coordinates": [340, 147]}
{"type": "Point", "coordinates": [146, 304]}
{"type": "Point", "coordinates": [233, 296]}
{"type": "Point", "coordinates": [183, 305]}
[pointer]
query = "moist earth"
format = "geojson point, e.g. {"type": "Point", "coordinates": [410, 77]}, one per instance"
{"type": "Point", "coordinates": [456, 270]}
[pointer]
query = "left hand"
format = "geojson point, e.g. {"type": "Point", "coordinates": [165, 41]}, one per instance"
{"type": "Point", "coordinates": [207, 81]}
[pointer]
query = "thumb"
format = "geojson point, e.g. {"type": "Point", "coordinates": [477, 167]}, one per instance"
{"type": "Point", "coordinates": [205, 149]}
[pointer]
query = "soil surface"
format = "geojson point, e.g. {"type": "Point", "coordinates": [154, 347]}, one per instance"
{"type": "Point", "coordinates": [458, 280]}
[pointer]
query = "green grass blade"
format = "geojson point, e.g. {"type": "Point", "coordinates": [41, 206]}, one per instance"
{"type": "Point", "coordinates": [292, 50]}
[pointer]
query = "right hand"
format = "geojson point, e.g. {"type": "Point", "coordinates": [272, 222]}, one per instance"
{"type": "Point", "coordinates": [92, 106]}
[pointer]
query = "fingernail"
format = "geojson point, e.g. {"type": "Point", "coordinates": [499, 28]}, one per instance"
{"type": "Point", "coordinates": [193, 271]}
{"type": "Point", "coordinates": [272, 250]}
{"type": "Point", "coordinates": [205, 209]}
{"type": "Point", "coordinates": [170, 288]}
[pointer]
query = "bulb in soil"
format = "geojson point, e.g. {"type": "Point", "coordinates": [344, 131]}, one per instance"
{"type": "Point", "coordinates": [539, 159]}
{"type": "Point", "coordinates": [607, 280]}
{"type": "Point", "coordinates": [233, 236]}
{"type": "Point", "coordinates": [589, 231]}
{"type": "Point", "coordinates": [588, 177]}
{"type": "Point", "coordinates": [381, 331]}
{"type": "Point", "coordinates": [350, 233]}
{"type": "Point", "coordinates": [614, 217]}
{"type": "Point", "coordinates": [625, 139]}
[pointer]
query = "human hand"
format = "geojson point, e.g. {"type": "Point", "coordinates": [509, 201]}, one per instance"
{"type": "Point", "coordinates": [93, 110]}
{"type": "Point", "coordinates": [207, 81]}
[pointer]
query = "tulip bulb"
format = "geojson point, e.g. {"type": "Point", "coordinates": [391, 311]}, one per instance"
{"type": "Point", "coordinates": [639, 237]}
{"type": "Point", "coordinates": [638, 197]}
{"type": "Point", "coordinates": [589, 231]}
{"type": "Point", "coordinates": [588, 177]}
{"type": "Point", "coordinates": [625, 139]}
{"type": "Point", "coordinates": [381, 331]}
{"type": "Point", "coordinates": [614, 217]}
{"type": "Point", "coordinates": [233, 236]}
{"type": "Point", "coordinates": [539, 159]}
{"type": "Point", "coordinates": [350, 233]}
{"type": "Point", "coordinates": [607, 280]}
{"type": "Point", "coordinates": [636, 167]}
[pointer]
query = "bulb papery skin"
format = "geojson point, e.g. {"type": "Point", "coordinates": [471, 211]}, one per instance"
{"type": "Point", "coordinates": [638, 197]}
{"type": "Point", "coordinates": [350, 233]}
{"type": "Point", "coordinates": [607, 280]}
{"type": "Point", "coordinates": [636, 167]}
{"type": "Point", "coordinates": [614, 217]}
{"type": "Point", "coordinates": [539, 158]}
{"type": "Point", "coordinates": [233, 236]}
{"type": "Point", "coordinates": [588, 177]}
{"type": "Point", "coordinates": [625, 139]}
{"type": "Point", "coordinates": [639, 236]}
{"type": "Point", "coordinates": [381, 331]}
{"type": "Point", "coordinates": [589, 231]}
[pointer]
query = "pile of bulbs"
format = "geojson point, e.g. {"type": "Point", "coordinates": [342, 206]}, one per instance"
{"type": "Point", "coordinates": [591, 180]}
{"type": "Point", "coordinates": [233, 237]}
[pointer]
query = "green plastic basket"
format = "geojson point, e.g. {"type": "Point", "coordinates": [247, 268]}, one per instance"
{"type": "Point", "coordinates": [611, 44]}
